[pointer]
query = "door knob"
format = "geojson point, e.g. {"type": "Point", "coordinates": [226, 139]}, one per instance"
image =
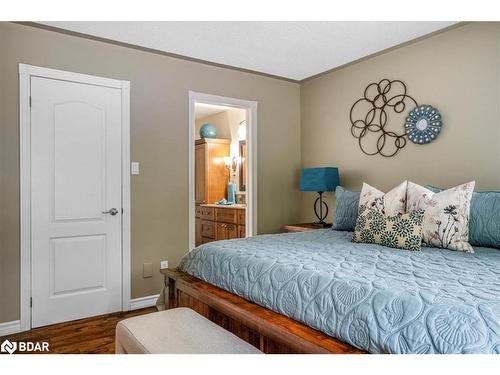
{"type": "Point", "coordinates": [112, 212]}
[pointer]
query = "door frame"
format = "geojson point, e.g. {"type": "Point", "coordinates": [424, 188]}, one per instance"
{"type": "Point", "coordinates": [25, 74]}
{"type": "Point", "coordinates": [251, 141]}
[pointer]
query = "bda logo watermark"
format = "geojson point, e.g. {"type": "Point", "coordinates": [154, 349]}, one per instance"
{"type": "Point", "coordinates": [8, 347]}
{"type": "Point", "coordinates": [23, 346]}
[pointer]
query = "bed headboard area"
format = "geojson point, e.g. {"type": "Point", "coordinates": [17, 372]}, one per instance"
{"type": "Point", "coordinates": [456, 72]}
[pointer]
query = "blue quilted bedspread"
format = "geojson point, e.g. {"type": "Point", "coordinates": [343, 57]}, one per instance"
{"type": "Point", "coordinates": [378, 299]}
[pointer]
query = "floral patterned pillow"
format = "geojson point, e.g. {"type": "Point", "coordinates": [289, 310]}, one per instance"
{"type": "Point", "coordinates": [446, 219]}
{"type": "Point", "coordinates": [399, 231]}
{"type": "Point", "coordinates": [390, 204]}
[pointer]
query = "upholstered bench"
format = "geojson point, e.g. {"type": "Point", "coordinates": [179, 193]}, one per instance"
{"type": "Point", "coordinates": [177, 331]}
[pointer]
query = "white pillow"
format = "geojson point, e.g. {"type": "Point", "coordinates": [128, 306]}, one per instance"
{"type": "Point", "coordinates": [446, 218]}
{"type": "Point", "coordinates": [391, 203]}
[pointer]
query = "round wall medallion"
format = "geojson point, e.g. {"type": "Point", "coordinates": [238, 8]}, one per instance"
{"type": "Point", "coordinates": [423, 124]}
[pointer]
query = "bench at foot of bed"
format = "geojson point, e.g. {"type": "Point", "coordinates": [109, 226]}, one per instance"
{"type": "Point", "coordinates": [268, 331]}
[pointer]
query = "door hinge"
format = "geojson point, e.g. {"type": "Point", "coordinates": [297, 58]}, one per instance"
{"type": "Point", "coordinates": [122, 210]}
{"type": "Point", "coordinates": [31, 301]}
{"type": "Point", "coordinates": [30, 101]}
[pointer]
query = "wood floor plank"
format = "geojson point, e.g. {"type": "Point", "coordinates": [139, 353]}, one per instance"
{"type": "Point", "coordinates": [94, 335]}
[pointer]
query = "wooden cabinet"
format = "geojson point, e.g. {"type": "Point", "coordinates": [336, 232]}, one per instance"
{"type": "Point", "coordinates": [204, 225]}
{"type": "Point", "coordinates": [211, 178]}
{"type": "Point", "coordinates": [225, 231]}
{"type": "Point", "coordinates": [211, 174]}
{"type": "Point", "coordinates": [219, 223]}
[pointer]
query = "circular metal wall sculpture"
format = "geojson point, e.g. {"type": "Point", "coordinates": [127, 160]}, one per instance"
{"type": "Point", "coordinates": [369, 117]}
{"type": "Point", "coordinates": [423, 124]}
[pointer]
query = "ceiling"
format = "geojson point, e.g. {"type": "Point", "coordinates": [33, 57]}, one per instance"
{"type": "Point", "coordinates": [203, 110]}
{"type": "Point", "coordinates": [292, 50]}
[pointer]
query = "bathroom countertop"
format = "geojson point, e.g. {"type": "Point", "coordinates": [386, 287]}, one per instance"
{"type": "Point", "coordinates": [237, 206]}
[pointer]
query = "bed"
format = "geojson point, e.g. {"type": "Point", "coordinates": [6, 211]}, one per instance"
{"type": "Point", "coordinates": [373, 298]}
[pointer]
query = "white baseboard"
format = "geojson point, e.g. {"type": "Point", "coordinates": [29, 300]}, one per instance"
{"type": "Point", "coordinates": [9, 328]}
{"type": "Point", "coordinates": [142, 302]}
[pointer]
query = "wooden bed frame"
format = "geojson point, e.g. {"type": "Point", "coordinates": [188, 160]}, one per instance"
{"type": "Point", "coordinates": [268, 331]}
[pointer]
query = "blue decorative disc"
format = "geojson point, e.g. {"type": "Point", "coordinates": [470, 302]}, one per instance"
{"type": "Point", "coordinates": [208, 130]}
{"type": "Point", "coordinates": [423, 124]}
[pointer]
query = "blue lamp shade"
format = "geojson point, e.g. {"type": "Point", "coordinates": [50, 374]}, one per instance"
{"type": "Point", "coordinates": [319, 179]}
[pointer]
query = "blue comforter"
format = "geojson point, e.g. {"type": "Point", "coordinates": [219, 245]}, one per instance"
{"type": "Point", "coordinates": [378, 299]}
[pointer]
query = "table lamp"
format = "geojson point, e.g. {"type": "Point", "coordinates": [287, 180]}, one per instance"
{"type": "Point", "coordinates": [319, 180]}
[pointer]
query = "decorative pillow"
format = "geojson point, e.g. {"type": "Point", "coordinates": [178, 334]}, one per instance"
{"type": "Point", "coordinates": [346, 209]}
{"type": "Point", "coordinates": [484, 223]}
{"type": "Point", "coordinates": [446, 219]}
{"type": "Point", "coordinates": [399, 231]}
{"type": "Point", "coordinates": [390, 204]}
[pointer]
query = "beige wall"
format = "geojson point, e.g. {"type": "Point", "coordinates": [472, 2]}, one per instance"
{"type": "Point", "coordinates": [457, 71]}
{"type": "Point", "coordinates": [159, 140]}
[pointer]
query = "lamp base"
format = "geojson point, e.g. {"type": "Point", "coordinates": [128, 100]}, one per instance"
{"type": "Point", "coordinates": [321, 214]}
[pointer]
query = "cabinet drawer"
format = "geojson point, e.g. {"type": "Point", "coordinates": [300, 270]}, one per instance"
{"type": "Point", "coordinates": [206, 240]}
{"type": "Point", "coordinates": [197, 212]}
{"type": "Point", "coordinates": [241, 217]}
{"type": "Point", "coordinates": [207, 213]}
{"type": "Point", "coordinates": [207, 229]}
{"type": "Point", "coordinates": [226, 215]}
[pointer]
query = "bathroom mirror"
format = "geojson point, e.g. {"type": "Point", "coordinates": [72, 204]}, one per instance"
{"type": "Point", "coordinates": [242, 166]}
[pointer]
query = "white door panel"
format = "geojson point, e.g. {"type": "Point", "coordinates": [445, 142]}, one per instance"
{"type": "Point", "coordinates": [79, 161]}
{"type": "Point", "coordinates": [68, 254]}
{"type": "Point", "coordinates": [76, 175]}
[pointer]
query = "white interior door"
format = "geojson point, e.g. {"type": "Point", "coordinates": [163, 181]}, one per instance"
{"type": "Point", "coordinates": [76, 249]}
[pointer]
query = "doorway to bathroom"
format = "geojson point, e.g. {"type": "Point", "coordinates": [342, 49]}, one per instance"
{"type": "Point", "coordinates": [222, 168]}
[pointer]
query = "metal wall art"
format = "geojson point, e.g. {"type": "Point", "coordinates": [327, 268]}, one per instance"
{"type": "Point", "coordinates": [369, 117]}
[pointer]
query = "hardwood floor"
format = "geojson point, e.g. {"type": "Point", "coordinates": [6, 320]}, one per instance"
{"type": "Point", "coordinates": [94, 335]}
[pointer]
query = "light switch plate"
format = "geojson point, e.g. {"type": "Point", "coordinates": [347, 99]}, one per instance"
{"type": "Point", "coordinates": [134, 167]}
{"type": "Point", "coordinates": [163, 264]}
{"type": "Point", "coordinates": [147, 270]}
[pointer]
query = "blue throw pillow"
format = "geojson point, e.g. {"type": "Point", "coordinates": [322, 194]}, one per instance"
{"type": "Point", "coordinates": [346, 210]}
{"type": "Point", "coordinates": [484, 224]}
